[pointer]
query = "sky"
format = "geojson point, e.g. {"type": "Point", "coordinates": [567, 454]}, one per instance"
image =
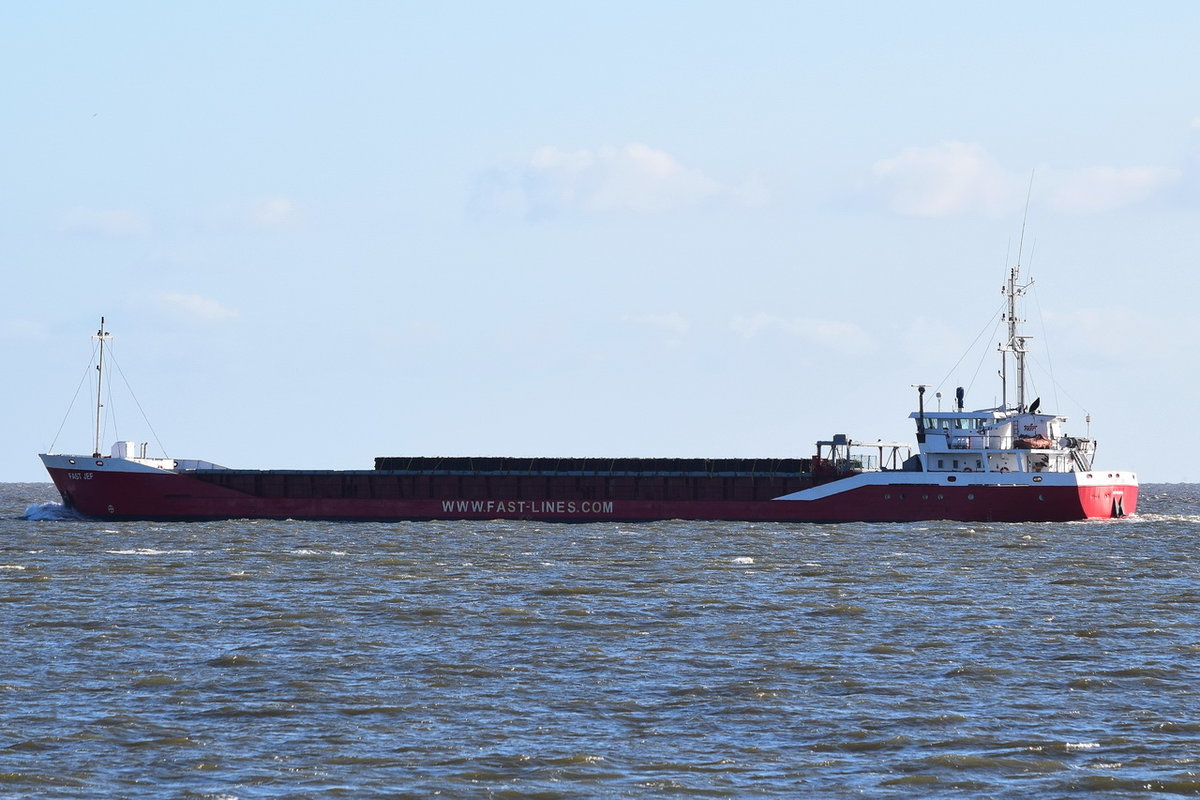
{"type": "Point", "coordinates": [323, 232]}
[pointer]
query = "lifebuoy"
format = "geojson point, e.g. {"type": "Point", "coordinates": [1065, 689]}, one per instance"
{"type": "Point", "coordinates": [966, 469]}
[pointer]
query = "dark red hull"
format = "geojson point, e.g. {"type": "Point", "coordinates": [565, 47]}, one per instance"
{"type": "Point", "coordinates": [111, 493]}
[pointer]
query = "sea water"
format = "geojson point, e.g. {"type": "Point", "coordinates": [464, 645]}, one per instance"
{"type": "Point", "coordinates": [247, 659]}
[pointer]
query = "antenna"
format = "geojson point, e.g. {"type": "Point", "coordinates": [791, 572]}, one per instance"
{"type": "Point", "coordinates": [103, 337]}
{"type": "Point", "coordinates": [1024, 219]}
{"type": "Point", "coordinates": [1016, 340]}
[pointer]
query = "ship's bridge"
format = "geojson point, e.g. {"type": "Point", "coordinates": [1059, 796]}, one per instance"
{"type": "Point", "coordinates": [998, 440]}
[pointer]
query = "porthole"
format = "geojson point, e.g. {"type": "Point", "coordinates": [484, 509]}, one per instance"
{"type": "Point", "coordinates": [1037, 478]}
{"type": "Point", "coordinates": [941, 497]}
{"type": "Point", "coordinates": [951, 478]}
{"type": "Point", "coordinates": [70, 461]}
{"type": "Point", "coordinates": [99, 463]}
{"type": "Point", "coordinates": [887, 497]}
{"type": "Point", "coordinates": [924, 497]}
{"type": "Point", "coordinates": [970, 497]}
{"type": "Point", "coordinates": [1042, 497]}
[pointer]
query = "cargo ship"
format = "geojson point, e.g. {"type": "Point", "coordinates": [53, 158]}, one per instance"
{"type": "Point", "coordinates": [1010, 463]}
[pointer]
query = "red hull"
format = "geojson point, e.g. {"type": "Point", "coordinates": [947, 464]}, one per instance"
{"type": "Point", "coordinates": [876, 497]}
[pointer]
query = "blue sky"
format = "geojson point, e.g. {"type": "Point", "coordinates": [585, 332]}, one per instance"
{"type": "Point", "coordinates": [325, 232]}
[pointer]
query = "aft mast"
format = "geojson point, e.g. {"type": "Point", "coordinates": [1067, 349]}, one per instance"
{"type": "Point", "coordinates": [1016, 339]}
{"type": "Point", "coordinates": [103, 337]}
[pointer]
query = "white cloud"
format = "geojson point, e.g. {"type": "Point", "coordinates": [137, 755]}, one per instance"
{"type": "Point", "coordinates": [843, 337]}
{"type": "Point", "coordinates": [630, 178]}
{"type": "Point", "coordinates": [953, 178]}
{"type": "Point", "coordinates": [1105, 188]}
{"type": "Point", "coordinates": [274, 212]}
{"type": "Point", "coordinates": [110, 223]}
{"type": "Point", "coordinates": [195, 305]}
{"type": "Point", "coordinates": [946, 179]}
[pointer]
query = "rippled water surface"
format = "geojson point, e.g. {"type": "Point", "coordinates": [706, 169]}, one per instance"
{"type": "Point", "coordinates": [500, 659]}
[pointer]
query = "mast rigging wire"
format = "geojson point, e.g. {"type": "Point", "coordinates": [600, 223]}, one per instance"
{"type": "Point", "coordinates": [108, 407]}
{"type": "Point", "coordinates": [87, 370]}
{"type": "Point", "coordinates": [993, 323]}
{"type": "Point", "coordinates": [136, 402]}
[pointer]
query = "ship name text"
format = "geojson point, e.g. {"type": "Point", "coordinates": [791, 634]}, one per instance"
{"type": "Point", "coordinates": [527, 506]}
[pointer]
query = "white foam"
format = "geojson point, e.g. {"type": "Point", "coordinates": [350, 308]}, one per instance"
{"type": "Point", "coordinates": [41, 512]}
{"type": "Point", "coordinates": [743, 560]}
{"type": "Point", "coordinates": [148, 551]}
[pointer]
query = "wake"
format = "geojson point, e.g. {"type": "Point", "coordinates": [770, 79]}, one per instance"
{"type": "Point", "coordinates": [42, 512]}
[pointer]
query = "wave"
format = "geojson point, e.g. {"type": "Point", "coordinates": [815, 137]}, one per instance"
{"type": "Point", "coordinates": [41, 512]}
{"type": "Point", "coordinates": [148, 551]}
{"type": "Point", "coordinates": [1146, 519]}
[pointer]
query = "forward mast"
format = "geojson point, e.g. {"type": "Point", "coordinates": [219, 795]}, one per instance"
{"type": "Point", "coordinates": [103, 337]}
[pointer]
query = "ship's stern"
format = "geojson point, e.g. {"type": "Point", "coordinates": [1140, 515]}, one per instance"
{"type": "Point", "coordinates": [1108, 495]}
